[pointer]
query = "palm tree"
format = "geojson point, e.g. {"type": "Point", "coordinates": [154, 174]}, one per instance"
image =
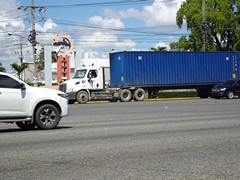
{"type": "Point", "coordinates": [19, 68]}
{"type": "Point", "coordinates": [159, 48]}
{"type": "Point", "coordinates": [2, 69]}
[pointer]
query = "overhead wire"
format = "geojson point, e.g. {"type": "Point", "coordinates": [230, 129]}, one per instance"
{"type": "Point", "coordinates": [137, 34]}
{"type": "Point", "coordinates": [101, 4]}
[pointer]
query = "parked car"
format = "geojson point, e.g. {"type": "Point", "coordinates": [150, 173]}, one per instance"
{"type": "Point", "coordinates": [30, 106]}
{"type": "Point", "coordinates": [228, 89]}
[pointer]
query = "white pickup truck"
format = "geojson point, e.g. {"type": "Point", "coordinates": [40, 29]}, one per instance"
{"type": "Point", "coordinates": [30, 106]}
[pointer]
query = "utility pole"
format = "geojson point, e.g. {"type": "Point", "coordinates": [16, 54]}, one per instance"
{"type": "Point", "coordinates": [21, 52]}
{"type": "Point", "coordinates": [204, 25]}
{"type": "Point", "coordinates": [32, 36]}
{"type": "Point", "coordinates": [32, 39]}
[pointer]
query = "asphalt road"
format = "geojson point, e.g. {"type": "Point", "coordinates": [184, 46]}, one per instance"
{"type": "Point", "coordinates": [186, 139]}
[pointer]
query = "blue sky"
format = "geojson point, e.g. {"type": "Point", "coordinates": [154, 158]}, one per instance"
{"type": "Point", "coordinates": [95, 28]}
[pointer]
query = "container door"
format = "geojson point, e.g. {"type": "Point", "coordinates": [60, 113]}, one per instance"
{"type": "Point", "coordinates": [117, 69]}
{"type": "Point", "coordinates": [235, 60]}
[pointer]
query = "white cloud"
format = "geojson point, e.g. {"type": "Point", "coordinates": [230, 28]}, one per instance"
{"type": "Point", "coordinates": [48, 25]}
{"type": "Point", "coordinates": [160, 13]}
{"type": "Point", "coordinates": [107, 22]}
{"type": "Point", "coordinates": [104, 39]}
{"type": "Point", "coordinates": [163, 44]}
{"type": "Point", "coordinates": [10, 21]}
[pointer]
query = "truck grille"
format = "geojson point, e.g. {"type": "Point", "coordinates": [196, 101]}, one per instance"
{"type": "Point", "coordinates": [63, 87]}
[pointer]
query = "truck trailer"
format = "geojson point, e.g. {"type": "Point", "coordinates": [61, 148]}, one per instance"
{"type": "Point", "coordinates": [137, 74]}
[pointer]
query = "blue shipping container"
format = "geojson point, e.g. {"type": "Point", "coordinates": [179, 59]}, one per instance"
{"type": "Point", "coordinates": [148, 68]}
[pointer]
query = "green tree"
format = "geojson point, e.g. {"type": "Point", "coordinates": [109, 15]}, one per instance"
{"type": "Point", "coordinates": [159, 48]}
{"type": "Point", "coordinates": [182, 45]}
{"type": "Point", "coordinates": [221, 27]}
{"type": "Point", "coordinates": [2, 69]}
{"type": "Point", "coordinates": [19, 68]}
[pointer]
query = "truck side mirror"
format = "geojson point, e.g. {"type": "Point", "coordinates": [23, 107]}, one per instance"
{"type": "Point", "coordinates": [22, 86]}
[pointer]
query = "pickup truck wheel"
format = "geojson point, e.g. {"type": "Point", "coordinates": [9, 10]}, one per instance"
{"type": "Point", "coordinates": [139, 94]}
{"type": "Point", "coordinates": [82, 97]}
{"type": "Point", "coordinates": [47, 117]}
{"type": "Point", "coordinates": [230, 95]}
{"type": "Point", "coordinates": [26, 125]}
{"type": "Point", "coordinates": [125, 95]}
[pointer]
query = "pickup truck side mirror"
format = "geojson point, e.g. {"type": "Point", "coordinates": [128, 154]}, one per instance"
{"type": "Point", "coordinates": [22, 86]}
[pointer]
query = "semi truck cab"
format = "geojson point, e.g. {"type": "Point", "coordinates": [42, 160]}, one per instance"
{"type": "Point", "coordinates": [85, 82]}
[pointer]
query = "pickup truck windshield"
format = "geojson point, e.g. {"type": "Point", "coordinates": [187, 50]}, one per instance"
{"type": "Point", "coordinates": [80, 74]}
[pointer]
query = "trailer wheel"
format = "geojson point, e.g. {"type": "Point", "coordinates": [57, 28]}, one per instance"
{"type": "Point", "coordinates": [139, 94]}
{"type": "Point", "coordinates": [82, 97]}
{"type": "Point", "coordinates": [125, 95]}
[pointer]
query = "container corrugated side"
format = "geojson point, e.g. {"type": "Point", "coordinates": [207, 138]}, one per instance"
{"type": "Point", "coordinates": [145, 68]}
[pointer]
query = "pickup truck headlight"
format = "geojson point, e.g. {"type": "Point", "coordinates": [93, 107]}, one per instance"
{"type": "Point", "coordinates": [63, 95]}
{"type": "Point", "coordinates": [222, 89]}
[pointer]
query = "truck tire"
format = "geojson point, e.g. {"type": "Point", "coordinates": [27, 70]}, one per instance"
{"type": "Point", "coordinates": [82, 97]}
{"type": "Point", "coordinates": [125, 95]}
{"type": "Point", "coordinates": [47, 117]}
{"type": "Point", "coordinates": [26, 125]}
{"type": "Point", "coordinates": [139, 94]}
{"type": "Point", "coordinates": [230, 95]}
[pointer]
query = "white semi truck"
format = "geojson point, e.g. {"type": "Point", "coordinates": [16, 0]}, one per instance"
{"type": "Point", "coordinates": [90, 82]}
{"type": "Point", "coordinates": [137, 74]}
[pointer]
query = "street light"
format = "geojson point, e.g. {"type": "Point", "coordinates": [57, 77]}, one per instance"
{"type": "Point", "coordinates": [21, 44]}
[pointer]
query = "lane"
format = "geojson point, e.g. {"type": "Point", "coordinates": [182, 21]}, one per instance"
{"type": "Point", "coordinates": [188, 139]}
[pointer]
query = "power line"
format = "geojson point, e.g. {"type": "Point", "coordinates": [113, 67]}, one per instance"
{"type": "Point", "coordinates": [111, 3]}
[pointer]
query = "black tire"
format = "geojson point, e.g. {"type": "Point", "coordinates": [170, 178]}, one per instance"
{"type": "Point", "coordinates": [47, 117]}
{"type": "Point", "coordinates": [139, 94]}
{"type": "Point", "coordinates": [82, 97]}
{"type": "Point", "coordinates": [26, 125]}
{"type": "Point", "coordinates": [125, 95]}
{"type": "Point", "coordinates": [230, 95]}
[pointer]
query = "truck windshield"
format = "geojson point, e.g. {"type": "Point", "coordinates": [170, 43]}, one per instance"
{"type": "Point", "coordinates": [80, 73]}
